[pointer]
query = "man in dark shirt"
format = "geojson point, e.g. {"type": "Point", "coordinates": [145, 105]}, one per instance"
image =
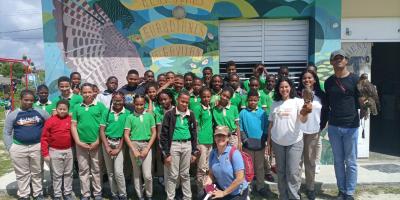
{"type": "Point", "coordinates": [341, 90]}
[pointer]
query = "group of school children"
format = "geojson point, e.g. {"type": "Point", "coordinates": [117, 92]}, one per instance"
{"type": "Point", "coordinates": [160, 126]}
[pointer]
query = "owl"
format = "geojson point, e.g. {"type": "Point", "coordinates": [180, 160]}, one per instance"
{"type": "Point", "coordinates": [368, 97]}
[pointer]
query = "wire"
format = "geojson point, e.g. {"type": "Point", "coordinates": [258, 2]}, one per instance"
{"type": "Point", "coordinates": [21, 30]}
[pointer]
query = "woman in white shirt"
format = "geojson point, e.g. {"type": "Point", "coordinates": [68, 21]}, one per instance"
{"type": "Point", "coordinates": [287, 114]}
{"type": "Point", "coordinates": [316, 121]}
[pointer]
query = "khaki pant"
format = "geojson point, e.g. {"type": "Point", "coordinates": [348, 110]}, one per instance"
{"type": "Point", "coordinates": [142, 167]}
{"type": "Point", "coordinates": [318, 148]}
{"type": "Point", "coordinates": [27, 162]}
{"type": "Point", "coordinates": [181, 153]}
{"type": "Point", "coordinates": [202, 164]}
{"type": "Point", "coordinates": [89, 164]}
{"type": "Point", "coordinates": [62, 164]}
{"type": "Point", "coordinates": [310, 155]}
{"type": "Point", "coordinates": [115, 172]}
{"type": "Point", "coordinates": [258, 163]}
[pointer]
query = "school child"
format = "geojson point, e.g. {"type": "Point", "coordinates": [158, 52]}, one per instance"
{"type": "Point", "coordinates": [254, 84]}
{"type": "Point", "coordinates": [56, 145]}
{"type": "Point", "coordinates": [96, 91]}
{"type": "Point", "coordinates": [283, 72]}
{"type": "Point", "coordinates": [253, 129]}
{"type": "Point", "coordinates": [43, 103]}
{"type": "Point", "coordinates": [86, 119]}
{"type": "Point", "coordinates": [148, 76]}
{"type": "Point", "coordinates": [64, 88]}
{"type": "Point", "coordinates": [75, 78]}
{"type": "Point", "coordinates": [6, 102]}
{"type": "Point", "coordinates": [131, 88]}
{"type": "Point", "coordinates": [111, 133]}
{"type": "Point", "coordinates": [106, 96]}
{"type": "Point", "coordinates": [161, 80]}
{"type": "Point", "coordinates": [151, 97]}
{"type": "Point", "coordinates": [22, 132]}
{"type": "Point", "coordinates": [178, 86]}
{"type": "Point", "coordinates": [234, 83]}
{"type": "Point", "coordinates": [140, 134]}
{"type": "Point", "coordinates": [188, 81]}
{"type": "Point", "coordinates": [204, 121]}
{"type": "Point", "coordinates": [227, 115]}
{"type": "Point", "coordinates": [178, 142]}
{"type": "Point", "coordinates": [194, 101]}
{"type": "Point", "coordinates": [216, 88]}
{"type": "Point", "coordinates": [170, 77]}
{"type": "Point", "coordinates": [258, 72]}
{"type": "Point", "coordinates": [207, 74]}
{"type": "Point", "coordinates": [166, 102]}
{"type": "Point", "coordinates": [230, 68]}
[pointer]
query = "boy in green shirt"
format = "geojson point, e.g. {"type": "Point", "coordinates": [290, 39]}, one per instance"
{"type": "Point", "coordinates": [44, 103]}
{"type": "Point", "coordinates": [111, 133]}
{"type": "Point", "coordinates": [234, 82]}
{"type": "Point", "coordinates": [140, 134]}
{"type": "Point", "coordinates": [178, 142]}
{"type": "Point", "coordinates": [64, 86]}
{"type": "Point", "coordinates": [85, 125]}
{"type": "Point", "coordinates": [227, 115]}
{"type": "Point", "coordinates": [258, 72]}
{"type": "Point", "coordinates": [194, 102]}
{"type": "Point", "coordinates": [263, 98]}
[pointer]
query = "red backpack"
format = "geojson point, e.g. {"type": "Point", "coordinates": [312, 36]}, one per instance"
{"type": "Point", "coordinates": [248, 164]}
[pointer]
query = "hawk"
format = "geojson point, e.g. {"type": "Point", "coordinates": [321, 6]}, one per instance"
{"type": "Point", "coordinates": [368, 97]}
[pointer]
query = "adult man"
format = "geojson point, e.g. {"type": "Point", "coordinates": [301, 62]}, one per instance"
{"type": "Point", "coordinates": [342, 95]}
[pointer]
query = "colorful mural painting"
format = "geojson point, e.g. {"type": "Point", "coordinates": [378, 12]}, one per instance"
{"type": "Point", "coordinates": [99, 38]}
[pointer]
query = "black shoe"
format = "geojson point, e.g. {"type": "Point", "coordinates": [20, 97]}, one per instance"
{"type": "Point", "coordinates": [24, 198]}
{"type": "Point", "coordinates": [123, 198]}
{"type": "Point", "coordinates": [69, 197]}
{"type": "Point", "coordinates": [115, 197]}
{"type": "Point", "coordinates": [264, 192]}
{"type": "Point", "coordinates": [56, 198]}
{"type": "Point", "coordinates": [40, 197]}
{"type": "Point", "coordinates": [349, 197]}
{"type": "Point", "coordinates": [310, 194]}
{"type": "Point", "coordinates": [341, 196]}
{"type": "Point", "coordinates": [178, 194]}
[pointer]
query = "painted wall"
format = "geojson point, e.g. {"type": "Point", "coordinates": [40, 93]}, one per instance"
{"type": "Point", "coordinates": [99, 38]}
{"type": "Point", "coordinates": [370, 8]}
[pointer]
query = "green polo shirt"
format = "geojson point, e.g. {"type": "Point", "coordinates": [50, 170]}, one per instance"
{"type": "Point", "coordinates": [236, 99]}
{"type": "Point", "coordinates": [140, 126]}
{"type": "Point", "coordinates": [181, 131]}
{"type": "Point", "coordinates": [114, 122]}
{"type": "Point", "coordinates": [88, 119]}
{"type": "Point", "coordinates": [215, 97]}
{"type": "Point", "coordinates": [205, 125]}
{"type": "Point", "coordinates": [73, 100]}
{"type": "Point", "coordinates": [48, 106]}
{"type": "Point", "coordinates": [226, 116]}
{"type": "Point", "coordinates": [194, 102]}
{"type": "Point", "coordinates": [262, 101]}
{"type": "Point", "coordinates": [246, 84]}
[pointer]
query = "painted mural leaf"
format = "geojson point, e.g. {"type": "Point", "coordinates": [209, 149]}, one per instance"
{"type": "Point", "coordinates": [92, 44]}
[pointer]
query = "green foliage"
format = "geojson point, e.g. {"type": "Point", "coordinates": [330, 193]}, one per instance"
{"type": "Point", "coordinates": [18, 70]}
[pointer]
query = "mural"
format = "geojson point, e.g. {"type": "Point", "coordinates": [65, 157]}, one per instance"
{"type": "Point", "coordinates": [99, 38]}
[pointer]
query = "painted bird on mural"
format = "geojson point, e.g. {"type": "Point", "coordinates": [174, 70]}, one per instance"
{"type": "Point", "coordinates": [369, 99]}
{"type": "Point", "coordinates": [92, 44]}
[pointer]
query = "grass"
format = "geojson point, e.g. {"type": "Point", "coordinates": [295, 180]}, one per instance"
{"type": "Point", "coordinates": [6, 165]}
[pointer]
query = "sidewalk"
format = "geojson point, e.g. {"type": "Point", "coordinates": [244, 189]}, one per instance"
{"type": "Point", "coordinates": [376, 171]}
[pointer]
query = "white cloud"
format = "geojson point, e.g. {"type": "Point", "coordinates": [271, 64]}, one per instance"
{"type": "Point", "coordinates": [21, 15]}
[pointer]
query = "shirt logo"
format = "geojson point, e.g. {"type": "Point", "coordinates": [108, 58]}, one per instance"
{"type": "Point", "coordinates": [29, 121]}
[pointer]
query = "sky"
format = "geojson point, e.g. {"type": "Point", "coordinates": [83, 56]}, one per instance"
{"type": "Point", "coordinates": [16, 16]}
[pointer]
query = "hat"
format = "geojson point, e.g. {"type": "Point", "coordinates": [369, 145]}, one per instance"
{"type": "Point", "coordinates": [338, 52]}
{"type": "Point", "coordinates": [221, 130]}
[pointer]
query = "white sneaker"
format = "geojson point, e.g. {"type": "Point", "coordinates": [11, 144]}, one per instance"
{"type": "Point", "coordinates": [317, 169]}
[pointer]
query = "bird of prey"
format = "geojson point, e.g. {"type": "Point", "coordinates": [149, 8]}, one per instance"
{"type": "Point", "coordinates": [92, 45]}
{"type": "Point", "coordinates": [368, 97]}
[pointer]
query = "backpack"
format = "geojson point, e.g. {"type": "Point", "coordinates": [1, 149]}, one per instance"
{"type": "Point", "coordinates": [248, 164]}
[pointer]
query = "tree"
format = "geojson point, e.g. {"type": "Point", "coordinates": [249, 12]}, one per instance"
{"type": "Point", "coordinates": [18, 70]}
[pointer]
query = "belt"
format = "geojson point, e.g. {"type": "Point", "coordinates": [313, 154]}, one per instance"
{"type": "Point", "coordinates": [114, 139]}
{"type": "Point", "coordinates": [141, 140]}
{"type": "Point", "coordinates": [184, 140]}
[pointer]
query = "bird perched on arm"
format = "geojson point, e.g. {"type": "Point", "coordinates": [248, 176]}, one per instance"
{"type": "Point", "coordinates": [368, 97]}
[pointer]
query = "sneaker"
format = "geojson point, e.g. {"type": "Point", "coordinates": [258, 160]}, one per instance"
{"type": "Point", "coordinates": [341, 196]}
{"type": "Point", "coordinates": [317, 169]}
{"type": "Point", "coordinates": [24, 198]}
{"type": "Point", "coordinates": [269, 178]}
{"type": "Point", "coordinates": [349, 197]}
{"type": "Point", "coordinates": [310, 194]}
{"type": "Point", "coordinates": [149, 198]}
{"type": "Point", "coordinates": [69, 197]}
{"type": "Point", "coordinates": [98, 197]}
{"type": "Point", "coordinates": [123, 197]}
{"type": "Point", "coordinates": [40, 197]}
{"type": "Point", "coordinates": [56, 198]}
{"type": "Point", "coordinates": [85, 198]}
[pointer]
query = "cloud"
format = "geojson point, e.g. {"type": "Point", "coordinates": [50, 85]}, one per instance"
{"type": "Point", "coordinates": [19, 15]}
